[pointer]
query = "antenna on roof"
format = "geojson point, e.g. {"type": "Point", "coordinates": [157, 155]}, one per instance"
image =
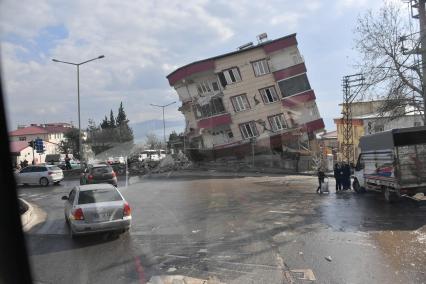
{"type": "Point", "coordinates": [249, 44]}
{"type": "Point", "coordinates": [262, 37]}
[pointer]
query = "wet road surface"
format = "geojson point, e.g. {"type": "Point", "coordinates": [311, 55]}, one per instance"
{"type": "Point", "coordinates": [236, 230]}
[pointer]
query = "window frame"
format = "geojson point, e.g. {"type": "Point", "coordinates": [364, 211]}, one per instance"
{"type": "Point", "coordinates": [234, 102]}
{"type": "Point", "coordinates": [251, 123]}
{"type": "Point", "coordinates": [226, 73]}
{"type": "Point", "coordinates": [290, 78]}
{"type": "Point", "coordinates": [257, 63]}
{"type": "Point", "coordinates": [272, 118]}
{"type": "Point", "coordinates": [263, 97]}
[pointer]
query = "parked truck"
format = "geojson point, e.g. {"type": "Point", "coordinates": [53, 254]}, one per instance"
{"type": "Point", "coordinates": [393, 162]}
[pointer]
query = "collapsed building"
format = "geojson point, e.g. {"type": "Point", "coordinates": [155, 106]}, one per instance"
{"type": "Point", "coordinates": [258, 97]}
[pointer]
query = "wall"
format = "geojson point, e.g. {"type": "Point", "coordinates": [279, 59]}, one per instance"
{"type": "Point", "coordinates": [27, 154]}
{"type": "Point", "coordinates": [30, 137]}
{"type": "Point", "coordinates": [402, 122]}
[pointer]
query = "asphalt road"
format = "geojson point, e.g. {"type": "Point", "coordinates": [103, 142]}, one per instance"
{"type": "Point", "coordinates": [235, 230]}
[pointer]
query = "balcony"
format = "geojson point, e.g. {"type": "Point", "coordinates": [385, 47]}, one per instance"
{"type": "Point", "coordinates": [215, 121]}
{"type": "Point", "coordinates": [298, 99]}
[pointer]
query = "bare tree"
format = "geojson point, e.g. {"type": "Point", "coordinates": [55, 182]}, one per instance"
{"type": "Point", "coordinates": [391, 72]}
{"type": "Point", "coordinates": [153, 142]}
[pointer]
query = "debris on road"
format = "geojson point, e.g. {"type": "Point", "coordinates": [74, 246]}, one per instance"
{"type": "Point", "coordinates": [171, 269]}
{"type": "Point", "coordinates": [180, 279]}
{"type": "Point", "coordinates": [328, 258]}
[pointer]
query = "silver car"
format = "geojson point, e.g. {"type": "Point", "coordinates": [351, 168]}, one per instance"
{"type": "Point", "coordinates": [96, 208]}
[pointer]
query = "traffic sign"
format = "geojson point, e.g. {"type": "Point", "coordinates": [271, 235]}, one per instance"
{"type": "Point", "coordinates": [39, 145]}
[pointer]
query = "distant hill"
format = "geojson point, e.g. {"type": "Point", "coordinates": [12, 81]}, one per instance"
{"type": "Point", "coordinates": [141, 129]}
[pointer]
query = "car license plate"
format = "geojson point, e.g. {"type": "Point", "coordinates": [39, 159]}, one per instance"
{"type": "Point", "coordinates": [102, 216]}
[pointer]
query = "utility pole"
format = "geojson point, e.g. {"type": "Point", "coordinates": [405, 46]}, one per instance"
{"type": "Point", "coordinates": [349, 82]}
{"type": "Point", "coordinates": [421, 15]}
{"type": "Point", "coordinates": [80, 141]}
{"type": "Point", "coordinates": [164, 121]}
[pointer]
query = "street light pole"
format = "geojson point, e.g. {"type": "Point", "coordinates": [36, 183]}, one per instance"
{"type": "Point", "coordinates": [164, 121]}
{"type": "Point", "coordinates": [80, 142]}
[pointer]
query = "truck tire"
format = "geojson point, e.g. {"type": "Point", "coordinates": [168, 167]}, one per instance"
{"type": "Point", "coordinates": [357, 188]}
{"type": "Point", "coordinates": [390, 196]}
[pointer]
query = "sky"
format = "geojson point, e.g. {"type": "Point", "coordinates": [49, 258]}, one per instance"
{"type": "Point", "coordinates": [143, 41]}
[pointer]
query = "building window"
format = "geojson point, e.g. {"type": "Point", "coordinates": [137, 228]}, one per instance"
{"type": "Point", "coordinates": [277, 122]}
{"type": "Point", "coordinates": [206, 87]}
{"type": "Point", "coordinates": [248, 130]}
{"type": "Point", "coordinates": [269, 95]}
{"type": "Point", "coordinates": [23, 138]}
{"type": "Point", "coordinates": [229, 76]}
{"type": "Point", "coordinates": [215, 106]}
{"type": "Point", "coordinates": [260, 67]}
{"type": "Point", "coordinates": [240, 103]}
{"type": "Point", "coordinates": [417, 123]}
{"type": "Point", "coordinates": [294, 85]}
{"type": "Point", "coordinates": [379, 128]}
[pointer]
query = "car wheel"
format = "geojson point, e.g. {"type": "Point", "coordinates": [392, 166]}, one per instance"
{"type": "Point", "coordinates": [44, 181]}
{"type": "Point", "coordinates": [71, 233]}
{"type": "Point", "coordinates": [356, 186]}
{"type": "Point", "coordinates": [390, 196]}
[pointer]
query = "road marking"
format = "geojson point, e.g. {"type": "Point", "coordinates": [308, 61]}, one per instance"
{"type": "Point", "coordinates": [280, 212]}
{"type": "Point", "coordinates": [177, 256]}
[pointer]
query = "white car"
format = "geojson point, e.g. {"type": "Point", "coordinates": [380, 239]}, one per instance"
{"type": "Point", "coordinates": [42, 175]}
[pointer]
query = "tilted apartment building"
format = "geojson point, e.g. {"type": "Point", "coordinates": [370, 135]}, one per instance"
{"type": "Point", "coordinates": [258, 93]}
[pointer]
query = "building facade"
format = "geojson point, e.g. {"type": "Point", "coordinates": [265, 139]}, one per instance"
{"type": "Point", "coordinates": [258, 93]}
{"type": "Point", "coordinates": [366, 119]}
{"type": "Point", "coordinates": [49, 132]}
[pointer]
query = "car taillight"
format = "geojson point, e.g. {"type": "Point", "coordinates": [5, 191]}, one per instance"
{"type": "Point", "coordinates": [78, 214]}
{"type": "Point", "coordinates": [49, 173]}
{"type": "Point", "coordinates": [126, 209]}
{"type": "Point", "coordinates": [90, 177]}
{"type": "Point", "coordinates": [113, 174]}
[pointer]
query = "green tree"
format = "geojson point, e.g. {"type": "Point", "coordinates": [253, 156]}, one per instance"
{"type": "Point", "coordinates": [71, 143]}
{"type": "Point", "coordinates": [121, 116]}
{"type": "Point", "coordinates": [105, 123]}
{"type": "Point", "coordinates": [112, 123]}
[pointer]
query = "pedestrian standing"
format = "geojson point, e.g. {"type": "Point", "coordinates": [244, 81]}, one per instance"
{"type": "Point", "coordinates": [321, 177]}
{"type": "Point", "coordinates": [346, 177]}
{"type": "Point", "coordinates": [337, 177]}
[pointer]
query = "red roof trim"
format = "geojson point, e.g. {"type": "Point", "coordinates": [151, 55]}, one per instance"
{"type": "Point", "coordinates": [271, 45]}
{"type": "Point", "coordinates": [31, 130]}
{"type": "Point", "coordinates": [314, 125]}
{"type": "Point", "coordinates": [296, 100]}
{"type": "Point", "coordinates": [214, 121]}
{"type": "Point", "coordinates": [290, 71]}
{"type": "Point", "coordinates": [189, 70]}
{"type": "Point", "coordinates": [280, 44]}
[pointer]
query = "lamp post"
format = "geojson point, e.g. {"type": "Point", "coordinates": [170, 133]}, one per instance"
{"type": "Point", "coordinates": [78, 97]}
{"type": "Point", "coordinates": [164, 122]}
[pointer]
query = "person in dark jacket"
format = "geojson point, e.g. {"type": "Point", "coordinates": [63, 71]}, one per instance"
{"type": "Point", "coordinates": [338, 176]}
{"type": "Point", "coordinates": [346, 177]}
{"type": "Point", "coordinates": [321, 177]}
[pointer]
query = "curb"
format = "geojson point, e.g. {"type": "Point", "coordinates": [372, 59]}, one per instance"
{"type": "Point", "coordinates": [27, 216]}
{"type": "Point", "coordinates": [32, 217]}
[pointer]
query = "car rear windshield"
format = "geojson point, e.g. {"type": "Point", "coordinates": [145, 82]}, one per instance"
{"type": "Point", "coordinates": [99, 195]}
{"type": "Point", "coordinates": [101, 170]}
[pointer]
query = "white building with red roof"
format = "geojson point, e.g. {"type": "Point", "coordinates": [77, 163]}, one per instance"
{"type": "Point", "coordinates": [51, 134]}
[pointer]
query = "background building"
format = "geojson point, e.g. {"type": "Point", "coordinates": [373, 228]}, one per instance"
{"type": "Point", "coordinates": [20, 151]}
{"type": "Point", "coordinates": [367, 119]}
{"type": "Point", "coordinates": [49, 132]}
{"type": "Point", "coordinates": [259, 94]}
